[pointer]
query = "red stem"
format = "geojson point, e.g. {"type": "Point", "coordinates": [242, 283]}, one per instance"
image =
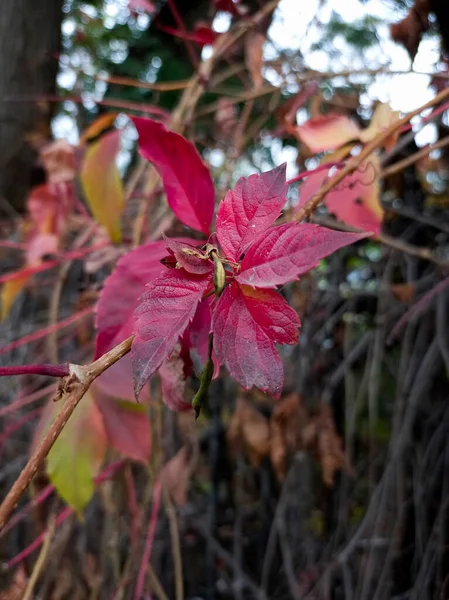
{"type": "Point", "coordinates": [22, 401]}
{"type": "Point", "coordinates": [180, 23]}
{"type": "Point", "coordinates": [48, 370]}
{"type": "Point", "coordinates": [63, 515]}
{"type": "Point", "coordinates": [107, 472]}
{"type": "Point", "coordinates": [41, 333]}
{"type": "Point", "coordinates": [313, 171]}
{"type": "Point", "coordinates": [149, 540]}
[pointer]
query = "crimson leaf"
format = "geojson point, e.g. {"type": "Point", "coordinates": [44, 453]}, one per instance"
{"type": "Point", "coordinates": [127, 426]}
{"type": "Point", "coordinates": [121, 291]}
{"type": "Point", "coordinates": [190, 257]}
{"type": "Point", "coordinates": [249, 209]}
{"type": "Point", "coordinates": [161, 317]}
{"type": "Point", "coordinates": [246, 325]}
{"type": "Point", "coordinates": [187, 181]}
{"type": "Point", "coordinates": [286, 251]}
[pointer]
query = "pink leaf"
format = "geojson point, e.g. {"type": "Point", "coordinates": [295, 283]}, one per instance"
{"type": "Point", "coordinates": [286, 251]}
{"type": "Point", "coordinates": [246, 325]}
{"type": "Point", "coordinates": [127, 426]}
{"type": "Point", "coordinates": [117, 381]}
{"type": "Point", "coordinates": [161, 317]}
{"type": "Point", "coordinates": [253, 205]}
{"type": "Point", "coordinates": [190, 257]}
{"type": "Point", "coordinates": [327, 133]}
{"type": "Point", "coordinates": [144, 5]}
{"type": "Point", "coordinates": [41, 245]}
{"type": "Point", "coordinates": [121, 292]}
{"type": "Point", "coordinates": [187, 182]}
{"type": "Point", "coordinates": [355, 200]}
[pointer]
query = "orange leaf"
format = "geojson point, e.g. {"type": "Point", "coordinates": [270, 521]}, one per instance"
{"type": "Point", "coordinates": [102, 184]}
{"type": "Point", "coordinates": [10, 290]}
{"type": "Point", "coordinates": [99, 126]}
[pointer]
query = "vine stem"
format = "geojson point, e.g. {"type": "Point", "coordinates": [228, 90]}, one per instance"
{"type": "Point", "coordinates": [355, 162]}
{"type": "Point", "coordinates": [48, 370]}
{"type": "Point", "coordinates": [74, 386]}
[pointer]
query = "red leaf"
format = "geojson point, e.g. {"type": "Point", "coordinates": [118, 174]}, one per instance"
{"type": "Point", "coordinates": [121, 292]}
{"type": "Point", "coordinates": [187, 182]}
{"type": "Point", "coordinates": [246, 325]}
{"type": "Point", "coordinates": [161, 317]}
{"type": "Point", "coordinates": [249, 209]}
{"type": "Point", "coordinates": [190, 257]}
{"type": "Point", "coordinates": [202, 35]}
{"type": "Point", "coordinates": [127, 426]}
{"type": "Point", "coordinates": [286, 251]}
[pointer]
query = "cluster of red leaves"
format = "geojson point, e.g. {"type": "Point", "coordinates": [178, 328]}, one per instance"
{"type": "Point", "coordinates": [177, 311]}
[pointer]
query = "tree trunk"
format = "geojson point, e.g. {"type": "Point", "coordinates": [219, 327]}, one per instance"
{"type": "Point", "coordinates": [30, 36]}
{"type": "Point", "coordinates": [440, 8]}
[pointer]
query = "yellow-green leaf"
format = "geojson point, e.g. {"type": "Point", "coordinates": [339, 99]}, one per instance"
{"type": "Point", "coordinates": [78, 454]}
{"type": "Point", "coordinates": [10, 290]}
{"type": "Point", "coordinates": [102, 185]}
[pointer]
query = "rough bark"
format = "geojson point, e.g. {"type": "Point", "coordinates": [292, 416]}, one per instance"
{"type": "Point", "coordinates": [30, 36]}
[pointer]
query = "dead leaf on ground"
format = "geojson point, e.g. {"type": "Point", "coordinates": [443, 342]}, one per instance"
{"type": "Point", "coordinates": [249, 432]}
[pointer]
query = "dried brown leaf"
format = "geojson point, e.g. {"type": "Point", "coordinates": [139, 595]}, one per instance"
{"type": "Point", "coordinates": [329, 446]}
{"type": "Point", "coordinates": [404, 292]}
{"type": "Point", "coordinates": [286, 425]}
{"type": "Point", "coordinates": [249, 432]}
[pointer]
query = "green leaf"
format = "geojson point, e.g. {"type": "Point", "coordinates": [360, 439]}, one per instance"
{"type": "Point", "coordinates": [78, 454]}
{"type": "Point", "coordinates": [102, 185]}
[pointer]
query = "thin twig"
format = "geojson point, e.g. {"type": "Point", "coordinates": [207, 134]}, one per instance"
{"type": "Point", "coordinates": [175, 545]}
{"type": "Point", "coordinates": [76, 385]}
{"type": "Point", "coordinates": [413, 158]}
{"type": "Point", "coordinates": [356, 161]}
{"type": "Point", "coordinates": [37, 569]}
